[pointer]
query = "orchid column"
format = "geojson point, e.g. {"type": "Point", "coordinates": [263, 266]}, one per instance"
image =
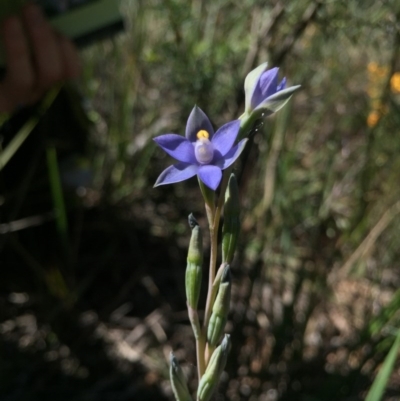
{"type": "Point", "coordinates": [209, 155]}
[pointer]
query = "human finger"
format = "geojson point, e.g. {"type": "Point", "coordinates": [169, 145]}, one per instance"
{"type": "Point", "coordinates": [70, 57]}
{"type": "Point", "coordinates": [20, 74]}
{"type": "Point", "coordinates": [46, 53]}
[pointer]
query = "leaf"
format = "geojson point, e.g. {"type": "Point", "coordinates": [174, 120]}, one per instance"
{"type": "Point", "coordinates": [379, 385]}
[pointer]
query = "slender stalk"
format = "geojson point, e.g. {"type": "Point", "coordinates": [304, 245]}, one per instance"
{"type": "Point", "coordinates": [214, 217]}
{"type": "Point", "coordinates": [200, 340]}
{"type": "Point", "coordinates": [208, 352]}
{"type": "Point", "coordinates": [247, 123]}
{"type": "Point", "coordinates": [27, 128]}
{"type": "Point", "coordinates": [212, 272]}
{"type": "Point", "coordinates": [200, 351]}
{"type": "Point", "coordinates": [214, 248]}
{"type": "Point", "coordinates": [225, 180]}
{"type": "Point", "coordinates": [17, 141]}
{"type": "Point", "coordinates": [209, 199]}
{"type": "Point", "coordinates": [57, 195]}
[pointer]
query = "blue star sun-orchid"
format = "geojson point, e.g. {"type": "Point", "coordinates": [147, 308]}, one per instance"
{"type": "Point", "coordinates": [200, 152]}
{"type": "Point", "coordinates": [263, 93]}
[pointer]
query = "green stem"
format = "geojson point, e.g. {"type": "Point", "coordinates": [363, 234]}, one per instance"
{"type": "Point", "coordinates": [57, 194]}
{"type": "Point", "coordinates": [247, 123]}
{"type": "Point", "coordinates": [211, 276]}
{"type": "Point", "coordinates": [214, 216]}
{"type": "Point", "coordinates": [214, 248]}
{"type": "Point", "coordinates": [199, 336]}
{"type": "Point", "coordinates": [200, 351]}
{"type": "Point", "coordinates": [209, 199]}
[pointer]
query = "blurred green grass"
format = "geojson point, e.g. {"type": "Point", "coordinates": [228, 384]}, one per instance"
{"type": "Point", "coordinates": [320, 194]}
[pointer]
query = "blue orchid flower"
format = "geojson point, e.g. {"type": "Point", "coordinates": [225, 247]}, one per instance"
{"type": "Point", "coordinates": [200, 152]}
{"type": "Point", "coordinates": [264, 95]}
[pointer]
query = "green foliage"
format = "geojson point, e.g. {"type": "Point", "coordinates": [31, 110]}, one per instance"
{"type": "Point", "coordinates": [320, 182]}
{"type": "Point", "coordinates": [316, 275]}
{"type": "Point", "coordinates": [378, 388]}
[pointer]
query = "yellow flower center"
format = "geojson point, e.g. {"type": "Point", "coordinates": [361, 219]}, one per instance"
{"type": "Point", "coordinates": [203, 134]}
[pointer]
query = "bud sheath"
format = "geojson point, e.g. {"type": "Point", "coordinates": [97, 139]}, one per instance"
{"type": "Point", "coordinates": [210, 379]}
{"type": "Point", "coordinates": [194, 264]}
{"type": "Point", "coordinates": [231, 227]}
{"type": "Point", "coordinates": [178, 381]}
{"type": "Point", "coordinates": [220, 309]}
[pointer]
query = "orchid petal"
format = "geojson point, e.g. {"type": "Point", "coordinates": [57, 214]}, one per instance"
{"type": "Point", "coordinates": [268, 83]}
{"type": "Point", "coordinates": [232, 155]}
{"type": "Point", "coordinates": [282, 85]}
{"type": "Point", "coordinates": [278, 100]}
{"type": "Point", "coordinates": [176, 173]}
{"type": "Point", "coordinates": [225, 137]}
{"type": "Point", "coordinates": [177, 146]}
{"type": "Point", "coordinates": [197, 121]}
{"type": "Point", "coordinates": [210, 175]}
{"type": "Point", "coordinates": [251, 82]}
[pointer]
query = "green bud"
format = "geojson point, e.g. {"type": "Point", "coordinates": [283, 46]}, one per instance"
{"type": "Point", "coordinates": [194, 264]}
{"type": "Point", "coordinates": [192, 221]}
{"type": "Point", "coordinates": [210, 379]}
{"type": "Point", "coordinates": [178, 381]}
{"type": "Point", "coordinates": [220, 309]}
{"type": "Point", "coordinates": [231, 227]}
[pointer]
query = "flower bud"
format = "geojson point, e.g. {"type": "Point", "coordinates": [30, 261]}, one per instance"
{"type": "Point", "coordinates": [194, 264]}
{"type": "Point", "coordinates": [264, 95]}
{"type": "Point", "coordinates": [231, 227]}
{"type": "Point", "coordinates": [220, 309]}
{"type": "Point", "coordinates": [178, 381]}
{"type": "Point", "coordinates": [210, 379]}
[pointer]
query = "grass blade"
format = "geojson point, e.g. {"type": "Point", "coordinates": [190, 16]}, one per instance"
{"type": "Point", "coordinates": [57, 194]}
{"type": "Point", "coordinates": [27, 128]}
{"type": "Point", "coordinates": [378, 386]}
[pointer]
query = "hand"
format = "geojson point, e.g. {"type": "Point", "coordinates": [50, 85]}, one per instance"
{"type": "Point", "coordinates": [37, 58]}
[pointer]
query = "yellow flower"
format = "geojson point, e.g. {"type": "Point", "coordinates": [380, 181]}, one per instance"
{"type": "Point", "coordinates": [376, 71]}
{"type": "Point", "coordinates": [373, 118]}
{"type": "Point", "coordinates": [372, 67]}
{"type": "Point", "coordinates": [395, 82]}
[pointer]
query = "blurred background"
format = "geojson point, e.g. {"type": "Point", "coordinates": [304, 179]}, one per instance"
{"type": "Point", "coordinates": [92, 274]}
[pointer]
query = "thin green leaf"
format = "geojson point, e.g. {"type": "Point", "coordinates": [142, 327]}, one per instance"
{"type": "Point", "coordinates": [27, 128]}
{"type": "Point", "coordinates": [378, 386]}
{"type": "Point", "coordinates": [57, 194]}
{"type": "Point", "coordinates": [17, 141]}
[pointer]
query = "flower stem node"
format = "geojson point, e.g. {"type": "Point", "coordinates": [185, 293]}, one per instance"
{"type": "Point", "coordinates": [220, 309]}
{"type": "Point", "coordinates": [210, 379]}
{"type": "Point", "coordinates": [178, 381]}
{"type": "Point", "coordinates": [231, 227]}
